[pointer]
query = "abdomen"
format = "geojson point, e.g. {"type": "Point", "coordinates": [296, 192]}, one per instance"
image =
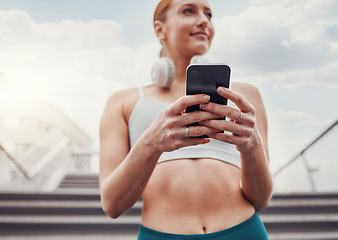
{"type": "Point", "coordinates": [187, 196]}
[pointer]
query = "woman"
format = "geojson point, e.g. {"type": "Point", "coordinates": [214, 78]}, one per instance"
{"type": "Point", "coordinates": [203, 192]}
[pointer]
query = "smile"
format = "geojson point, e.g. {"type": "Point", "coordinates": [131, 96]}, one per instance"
{"type": "Point", "coordinates": [200, 34]}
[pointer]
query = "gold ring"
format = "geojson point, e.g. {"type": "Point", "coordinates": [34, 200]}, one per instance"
{"type": "Point", "coordinates": [240, 116]}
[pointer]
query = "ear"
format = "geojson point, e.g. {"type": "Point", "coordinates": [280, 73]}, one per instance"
{"type": "Point", "coordinates": [159, 30]}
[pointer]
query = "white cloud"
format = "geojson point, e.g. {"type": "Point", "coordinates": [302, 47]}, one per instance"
{"type": "Point", "coordinates": [73, 64]}
{"type": "Point", "coordinates": [260, 1]}
{"type": "Point", "coordinates": [279, 37]}
{"type": "Point", "coordinates": [18, 28]}
{"type": "Point", "coordinates": [323, 76]}
{"type": "Point", "coordinates": [296, 118]}
{"type": "Point", "coordinates": [63, 58]}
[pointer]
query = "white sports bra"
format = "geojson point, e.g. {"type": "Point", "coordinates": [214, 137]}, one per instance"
{"type": "Point", "coordinates": [144, 113]}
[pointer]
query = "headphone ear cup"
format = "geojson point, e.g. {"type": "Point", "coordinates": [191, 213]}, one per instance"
{"type": "Point", "coordinates": [163, 72]}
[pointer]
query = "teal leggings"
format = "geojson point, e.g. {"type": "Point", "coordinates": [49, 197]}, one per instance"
{"type": "Point", "coordinates": [252, 229]}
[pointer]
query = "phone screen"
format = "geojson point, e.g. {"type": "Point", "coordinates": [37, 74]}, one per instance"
{"type": "Point", "coordinates": [205, 79]}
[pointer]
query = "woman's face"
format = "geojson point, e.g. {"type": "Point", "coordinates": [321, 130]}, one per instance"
{"type": "Point", "coordinates": [188, 29]}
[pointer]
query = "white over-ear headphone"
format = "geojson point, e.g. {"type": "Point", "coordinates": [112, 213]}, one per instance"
{"type": "Point", "coordinates": [163, 71]}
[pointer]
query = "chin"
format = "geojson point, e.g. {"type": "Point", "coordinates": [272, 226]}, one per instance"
{"type": "Point", "coordinates": [200, 49]}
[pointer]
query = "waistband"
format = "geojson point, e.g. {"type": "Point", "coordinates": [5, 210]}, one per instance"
{"type": "Point", "coordinates": [252, 229]}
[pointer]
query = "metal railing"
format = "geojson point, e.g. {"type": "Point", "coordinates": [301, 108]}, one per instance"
{"type": "Point", "coordinates": [313, 169]}
{"type": "Point", "coordinates": [35, 167]}
{"type": "Point", "coordinates": [32, 162]}
{"type": "Point", "coordinates": [37, 141]}
{"type": "Point", "coordinates": [15, 162]}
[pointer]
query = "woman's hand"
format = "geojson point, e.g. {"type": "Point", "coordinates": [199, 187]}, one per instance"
{"type": "Point", "coordinates": [168, 131]}
{"type": "Point", "coordinates": [242, 124]}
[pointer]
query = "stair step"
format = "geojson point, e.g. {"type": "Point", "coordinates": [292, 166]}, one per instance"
{"type": "Point", "coordinates": [289, 196]}
{"type": "Point", "coordinates": [80, 180]}
{"type": "Point", "coordinates": [52, 207]}
{"type": "Point", "coordinates": [12, 225]}
{"type": "Point", "coordinates": [64, 194]}
{"type": "Point", "coordinates": [79, 236]}
{"type": "Point", "coordinates": [300, 222]}
{"type": "Point", "coordinates": [81, 176]}
{"type": "Point", "coordinates": [304, 202]}
{"type": "Point", "coordinates": [302, 206]}
{"type": "Point", "coordinates": [74, 219]}
{"type": "Point", "coordinates": [299, 218]}
{"type": "Point", "coordinates": [77, 186]}
{"type": "Point", "coordinates": [304, 236]}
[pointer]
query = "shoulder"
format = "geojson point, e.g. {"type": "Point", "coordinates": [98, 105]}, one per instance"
{"type": "Point", "coordinates": [120, 103]}
{"type": "Point", "coordinates": [246, 89]}
{"type": "Point", "coordinates": [250, 92]}
{"type": "Point", "coordinates": [122, 97]}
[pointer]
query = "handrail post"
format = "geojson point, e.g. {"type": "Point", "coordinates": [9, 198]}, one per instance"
{"type": "Point", "coordinates": [309, 173]}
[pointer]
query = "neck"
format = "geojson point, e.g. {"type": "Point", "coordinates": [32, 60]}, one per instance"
{"type": "Point", "coordinates": [181, 65]}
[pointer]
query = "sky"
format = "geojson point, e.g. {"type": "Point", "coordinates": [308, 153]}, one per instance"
{"type": "Point", "coordinates": [76, 53]}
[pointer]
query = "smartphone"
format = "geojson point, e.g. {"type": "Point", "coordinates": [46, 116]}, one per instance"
{"type": "Point", "coordinates": [205, 79]}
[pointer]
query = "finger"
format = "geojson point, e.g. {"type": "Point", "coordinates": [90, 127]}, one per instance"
{"type": "Point", "coordinates": [228, 138]}
{"type": "Point", "coordinates": [181, 104]}
{"type": "Point", "coordinates": [194, 141]}
{"type": "Point", "coordinates": [223, 110]}
{"type": "Point", "coordinates": [198, 116]}
{"type": "Point", "coordinates": [197, 131]}
{"type": "Point", "coordinates": [236, 98]}
{"type": "Point", "coordinates": [241, 143]}
{"type": "Point", "coordinates": [237, 129]}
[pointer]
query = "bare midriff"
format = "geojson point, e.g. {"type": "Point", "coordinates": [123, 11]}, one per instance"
{"type": "Point", "coordinates": [194, 196]}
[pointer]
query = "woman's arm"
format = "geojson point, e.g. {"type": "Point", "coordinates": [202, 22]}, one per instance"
{"type": "Point", "coordinates": [256, 178]}
{"type": "Point", "coordinates": [249, 134]}
{"type": "Point", "coordinates": [124, 174]}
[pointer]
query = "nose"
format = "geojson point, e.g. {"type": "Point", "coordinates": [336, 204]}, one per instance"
{"type": "Point", "coordinates": [203, 20]}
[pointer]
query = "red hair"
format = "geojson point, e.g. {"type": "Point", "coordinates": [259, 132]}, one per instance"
{"type": "Point", "coordinates": [161, 15]}
{"type": "Point", "coordinates": [161, 10]}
